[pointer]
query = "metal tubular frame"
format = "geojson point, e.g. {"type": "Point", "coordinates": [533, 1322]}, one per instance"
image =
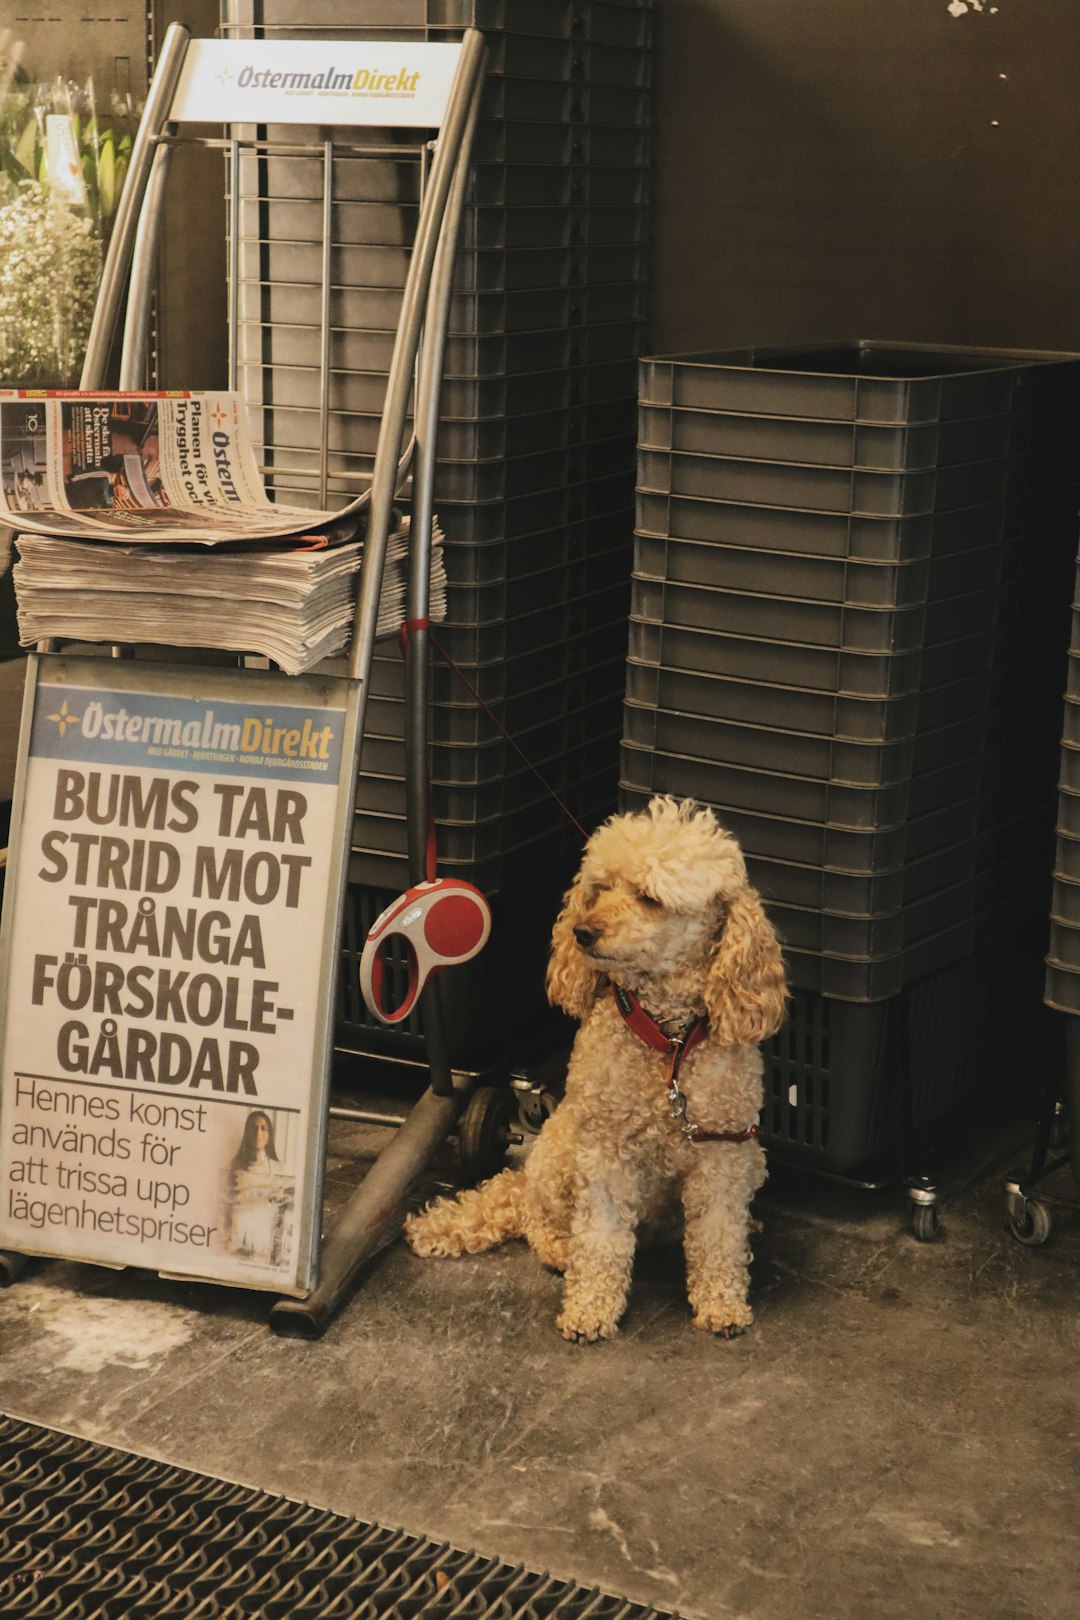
{"type": "Point", "coordinates": [418, 638]}
{"type": "Point", "coordinates": [120, 255]}
{"type": "Point", "coordinates": [133, 354]}
{"type": "Point", "coordinates": [372, 1217]}
{"type": "Point", "coordinates": [374, 1211]}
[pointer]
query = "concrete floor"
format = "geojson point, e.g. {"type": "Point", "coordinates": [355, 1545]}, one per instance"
{"type": "Point", "coordinates": [895, 1436]}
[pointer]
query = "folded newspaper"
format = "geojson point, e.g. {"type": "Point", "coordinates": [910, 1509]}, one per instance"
{"type": "Point", "coordinates": [142, 517]}
{"type": "Point", "coordinates": [149, 467]}
{"type": "Point", "coordinates": [293, 603]}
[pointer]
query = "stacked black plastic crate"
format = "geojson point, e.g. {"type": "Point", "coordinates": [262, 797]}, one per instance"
{"type": "Point", "coordinates": [848, 634]}
{"type": "Point", "coordinates": [535, 481]}
{"type": "Point", "coordinates": [1062, 984]}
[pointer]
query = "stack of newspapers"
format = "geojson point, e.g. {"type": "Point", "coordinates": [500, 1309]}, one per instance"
{"type": "Point", "coordinates": [289, 600]}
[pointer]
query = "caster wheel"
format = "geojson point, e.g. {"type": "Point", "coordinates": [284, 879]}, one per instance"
{"type": "Point", "coordinates": [484, 1133]}
{"type": "Point", "coordinates": [925, 1214]}
{"type": "Point", "coordinates": [1032, 1224]}
{"type": "Point", "coordinates": [535, 1106]}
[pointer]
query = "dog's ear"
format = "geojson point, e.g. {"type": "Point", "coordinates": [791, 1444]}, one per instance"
{"type": "Point", "coordinates": [745, 992]}
{"type": "Point", "coordinates": [571, 983]}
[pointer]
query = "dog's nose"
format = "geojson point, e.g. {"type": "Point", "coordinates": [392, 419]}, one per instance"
{"type": "Point", "coordinates": [586, 937]}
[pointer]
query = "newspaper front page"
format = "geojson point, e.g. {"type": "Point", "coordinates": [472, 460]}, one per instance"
{"type": "Point", "coordinates": [173, 466]}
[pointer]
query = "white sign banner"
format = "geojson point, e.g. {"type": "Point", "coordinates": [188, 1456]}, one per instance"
{"type": "Point", "coordinates": [315, 82]}
{"type": "Point", "coordinates": [173, 893]}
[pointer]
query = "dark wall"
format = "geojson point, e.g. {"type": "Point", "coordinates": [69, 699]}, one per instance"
{"type": "Point", "coordinates": [878, 169]}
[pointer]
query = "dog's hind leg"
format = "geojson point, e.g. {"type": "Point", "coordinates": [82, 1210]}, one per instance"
{"type": "Point", "coordinates": [477, 1219]}
{"type": "Point", "coordinates": [548, 1198]}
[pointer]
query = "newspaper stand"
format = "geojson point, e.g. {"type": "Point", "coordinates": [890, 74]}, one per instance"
{"type": "Point", "coordinates": [195, 83]}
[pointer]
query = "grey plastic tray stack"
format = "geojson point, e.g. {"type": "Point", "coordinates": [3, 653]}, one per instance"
{"type": "Point", "coordinates": [848, 632]}
{"type": "Point", "coordinates": [1063, 959]}
{"type": "Point", "coordinates": [535, 481]}
{"type": "Point", "coordinates": [1062, 984]}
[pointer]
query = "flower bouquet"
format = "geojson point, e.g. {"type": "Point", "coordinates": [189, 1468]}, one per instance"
{"type": "Point", "coordinates": [62, 165]}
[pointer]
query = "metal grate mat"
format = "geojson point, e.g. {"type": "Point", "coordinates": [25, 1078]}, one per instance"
{"type": "Point", "coordinates": [86, 1530]}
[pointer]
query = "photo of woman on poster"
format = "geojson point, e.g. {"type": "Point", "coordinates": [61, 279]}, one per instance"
{"type": "Point", "coordinates": [259, 1196]}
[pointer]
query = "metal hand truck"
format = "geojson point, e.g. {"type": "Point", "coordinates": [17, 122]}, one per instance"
{"type": "Point", "coordinates": [372, 1215]}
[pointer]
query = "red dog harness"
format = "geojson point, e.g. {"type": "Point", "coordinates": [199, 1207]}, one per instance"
{"type": "Point", "coordinates": [648, 1030]}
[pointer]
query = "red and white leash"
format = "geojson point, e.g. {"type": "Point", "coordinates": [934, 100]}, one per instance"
{"type": "Point", "coordinates": [645, 1027]}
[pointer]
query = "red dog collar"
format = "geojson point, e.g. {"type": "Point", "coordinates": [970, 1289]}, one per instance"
{"type": "Point", "coordinates": [645, 1027]}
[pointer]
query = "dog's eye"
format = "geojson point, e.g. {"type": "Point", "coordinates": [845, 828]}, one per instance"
{"type": "Point", "coordinates": [650, 900]}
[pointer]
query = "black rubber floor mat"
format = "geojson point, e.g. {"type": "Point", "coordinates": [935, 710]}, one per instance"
{"type": "Point", "coordinates": [86, 1530]}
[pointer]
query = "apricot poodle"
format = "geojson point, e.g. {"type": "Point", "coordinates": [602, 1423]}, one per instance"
{"type": "Point", "coordinates": [663, 952]}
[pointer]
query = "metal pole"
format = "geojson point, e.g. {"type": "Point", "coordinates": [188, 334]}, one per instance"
{"type": "Point", "coordinates": [365, 1116]}
{"type": "Point", "coordinates": [373, 1215]}
{"type": "Point", "coordinates": [460, 117]}
{"type": "Point", "coordinates": [426, 427]}
{"type": "Point", "coordinates": [133, 350]}
{"type": "Point", "coordinates": [418, 598]}
{"type": "Point", "coordinates": [465, 90]}
{"type": "Point", "coordinates": [233, 265]}
{"type": "Point", "coordinates": [324, 321]}
{"type": "Point", "coordinates": [122, 244]}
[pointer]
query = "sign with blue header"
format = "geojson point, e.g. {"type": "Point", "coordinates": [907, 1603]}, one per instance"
{"type": "Point", "coordinates": [276, 742]}
{"type": "Point", "coordinates": [174, 887]}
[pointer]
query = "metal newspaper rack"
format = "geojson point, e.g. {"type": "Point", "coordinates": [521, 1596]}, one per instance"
{"type": "Point", "coordinates": [196, 83]}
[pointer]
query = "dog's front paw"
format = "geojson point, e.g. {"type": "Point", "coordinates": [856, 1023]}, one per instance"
{"type": "Point", "coordinates": [581, 1328]}
{"type": "Point", "coordinates": [726, 1321]}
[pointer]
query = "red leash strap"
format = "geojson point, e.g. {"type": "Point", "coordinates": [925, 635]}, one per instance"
{"type": "Point", "coordinates": [694, 1133]}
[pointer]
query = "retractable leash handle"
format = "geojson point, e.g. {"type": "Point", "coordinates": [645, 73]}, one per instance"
{"type": "Point", "coordinates": [443, 923]}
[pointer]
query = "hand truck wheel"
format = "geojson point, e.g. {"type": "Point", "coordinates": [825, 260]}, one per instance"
{"type": "Point", "coordinates": [484, 1133]}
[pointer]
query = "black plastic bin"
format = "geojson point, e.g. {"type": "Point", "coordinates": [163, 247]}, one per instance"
{"type": "Point", "coordinates": [901, 385]}
{"type": "Point", "coordinates": [868, 1091]}
{"type": "Point", "coordinates": [848, 634]}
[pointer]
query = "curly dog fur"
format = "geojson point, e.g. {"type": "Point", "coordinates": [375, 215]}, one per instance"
{"type": "Point", "coordinates": [660, 907]}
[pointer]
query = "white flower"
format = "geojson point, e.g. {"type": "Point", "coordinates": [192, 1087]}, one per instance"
{"type": "Point", "coordinates": [50, 263]}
